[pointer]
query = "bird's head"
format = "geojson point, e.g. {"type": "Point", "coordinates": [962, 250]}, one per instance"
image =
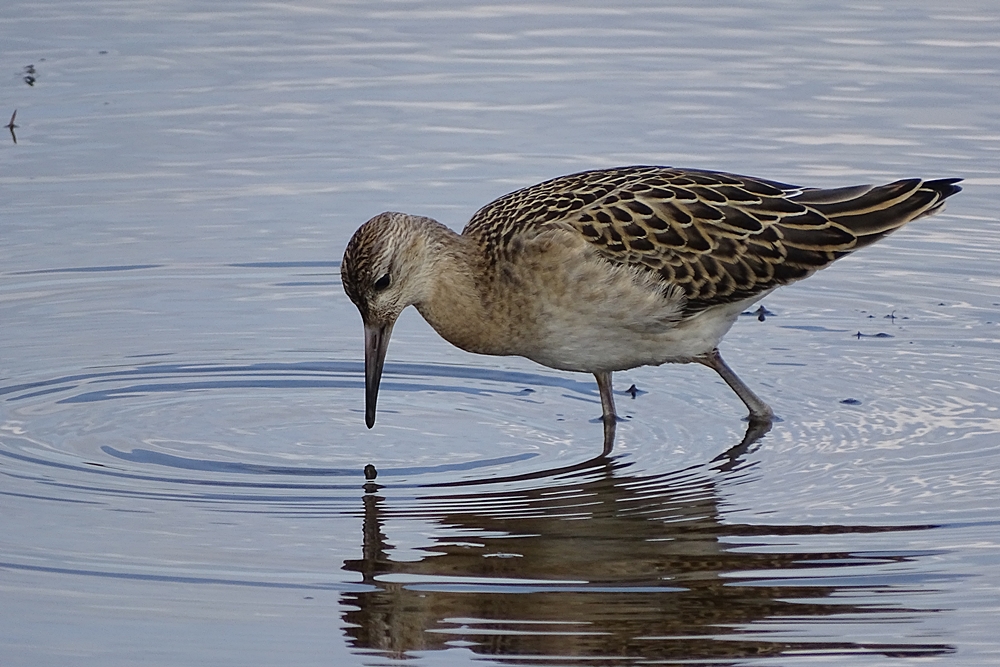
{"type": "Point", "coordinates": [383, 273]}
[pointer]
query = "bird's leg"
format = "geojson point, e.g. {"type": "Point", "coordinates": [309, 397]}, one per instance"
{"type": "Point", "coordinates": [608, 415]}
{"type": "Point", "coordinates": [759, 410]}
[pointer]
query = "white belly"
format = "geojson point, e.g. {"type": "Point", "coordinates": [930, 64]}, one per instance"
{"type": "Point", "coordinates": [594, 342]}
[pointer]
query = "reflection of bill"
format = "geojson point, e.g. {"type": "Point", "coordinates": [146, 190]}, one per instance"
{"type": "Point", "coordinates": [590, 561]}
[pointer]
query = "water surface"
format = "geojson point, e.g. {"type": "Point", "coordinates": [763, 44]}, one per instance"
{"type": "Point", "coordinates": [181, 429]}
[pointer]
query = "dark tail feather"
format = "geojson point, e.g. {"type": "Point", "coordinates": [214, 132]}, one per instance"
{"type": "Point", "coordinates": [944, 187]}
{"type": "Point", "coordinates": [873, 213]}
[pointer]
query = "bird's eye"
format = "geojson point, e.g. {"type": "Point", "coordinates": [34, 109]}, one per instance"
{"type": "Point", "coordinates": [382, 283]}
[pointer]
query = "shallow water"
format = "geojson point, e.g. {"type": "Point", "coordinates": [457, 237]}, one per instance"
{"type": "Point", "coordinates": [181, 429]}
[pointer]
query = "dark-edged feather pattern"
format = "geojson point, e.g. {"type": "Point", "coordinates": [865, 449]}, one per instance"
{"type": "Point", "coordinates": [719, 237]}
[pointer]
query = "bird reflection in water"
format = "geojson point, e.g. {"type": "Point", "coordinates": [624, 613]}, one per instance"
{"type": "Point", "coordinates": [595, 561]}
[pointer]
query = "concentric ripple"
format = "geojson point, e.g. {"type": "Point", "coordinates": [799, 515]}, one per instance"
{"type": "Point", "coordinates": [266, 419]}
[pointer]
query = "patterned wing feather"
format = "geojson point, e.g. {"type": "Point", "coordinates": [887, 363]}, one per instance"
{"type": "Point", "coordinates": [719, 237]}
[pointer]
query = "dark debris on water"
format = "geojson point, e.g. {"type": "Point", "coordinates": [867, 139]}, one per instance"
{"type": "Point", "coordinates": [761, 313]}
{"type": "Point", "coordinates": [11, 126]}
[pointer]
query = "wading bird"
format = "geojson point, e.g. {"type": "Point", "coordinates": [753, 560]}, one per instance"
{"type": "Point", "coordinates": [611, 269]}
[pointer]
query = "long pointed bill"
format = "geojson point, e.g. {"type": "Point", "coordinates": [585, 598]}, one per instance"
{"type": "Point", "coordinates": [376, 343]}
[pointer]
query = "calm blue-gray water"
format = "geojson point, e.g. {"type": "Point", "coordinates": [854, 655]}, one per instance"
{"type": "Point", "coordinates": [182, 432]}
